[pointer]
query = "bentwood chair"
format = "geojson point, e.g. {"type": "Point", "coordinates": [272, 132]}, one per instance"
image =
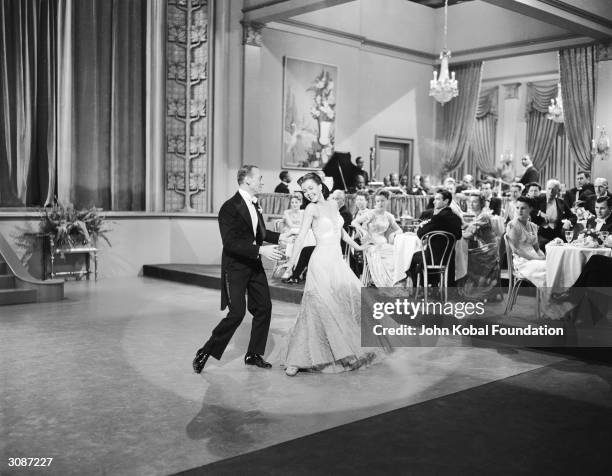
{"type": "Point", "coordinates": [279, 265]}
{"type": "Point", "coordinates": [515, 279]}
{"type": "Point", "coordinates": [437, 251]}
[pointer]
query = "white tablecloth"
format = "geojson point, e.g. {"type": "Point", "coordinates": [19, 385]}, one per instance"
{"type": "Point", "coordinates": [406, 244]}
{"type": "Point", "coordinates": [564, 263]}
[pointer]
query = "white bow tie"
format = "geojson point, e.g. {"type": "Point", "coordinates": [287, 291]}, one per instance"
{"type": "Point", "coordinates": [254, 200]}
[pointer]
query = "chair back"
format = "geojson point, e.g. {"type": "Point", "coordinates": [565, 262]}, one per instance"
{"type": "Point", "coordinates": [509, 259]}
{"type": "Point", "coordinates": [348, 251]}
{"type": "Point", "coordinates": [437, 249]}
{"type": "Point", "coordinates": [278, 225]}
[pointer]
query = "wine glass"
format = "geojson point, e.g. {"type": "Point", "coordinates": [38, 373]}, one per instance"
{"type": "Point", "coordinates": [569, 235]}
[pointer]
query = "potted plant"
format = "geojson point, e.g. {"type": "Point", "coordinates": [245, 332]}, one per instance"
{"type": "Point", "coordinates": [70, 228]}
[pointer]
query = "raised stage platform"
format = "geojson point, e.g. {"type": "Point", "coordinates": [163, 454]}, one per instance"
{"type": "Point", "coordinates": [209, 276]}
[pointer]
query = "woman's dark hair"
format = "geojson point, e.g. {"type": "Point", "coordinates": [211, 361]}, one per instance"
{"type": "Point", "coordinates": [383, 193]}
{"type": "Point", "coordinates": [530, 202]}
{"type": "Point", "coordinates": [482, 201]}
{"type": "Point", "coordinates": [316, 179]}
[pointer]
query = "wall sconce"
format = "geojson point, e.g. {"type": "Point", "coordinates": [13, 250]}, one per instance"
{"type": "Point", "coordinates": [600, 148]}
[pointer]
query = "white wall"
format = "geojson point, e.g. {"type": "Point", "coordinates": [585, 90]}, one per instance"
{"type": "Point", "coordinates": [138, 240]}
{"type": "Point", "coordinates": [478, 24]}
{"type": "Point", "coordinates": [377, 94]}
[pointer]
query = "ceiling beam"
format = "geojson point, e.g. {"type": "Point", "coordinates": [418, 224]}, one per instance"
{"type": "Point", "coordinates": [562, 14]}
{"type": "Point", "coordinates": [264, 11]}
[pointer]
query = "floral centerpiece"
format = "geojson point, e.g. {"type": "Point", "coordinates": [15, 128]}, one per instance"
{"type": "Point", "coordinates": [72, 228]}
{"type": "Point", "coordinates": [590, 235]}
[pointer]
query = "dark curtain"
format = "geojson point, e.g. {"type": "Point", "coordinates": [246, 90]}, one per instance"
{"type": "Point", "coordinates": [541, 132]}
{"type": "Point", "coordinates": [457, 116]}
{"type": "Point", "coordinates": [28, 75]}
{"type": "Point", "coordinates": [108, 109]}
{"type": "Point", "coordinates": [482, 147]}
{"type": "Point", "coordinates": [577, 67]}
{"type": "Point", "coordinates": [94, 130]}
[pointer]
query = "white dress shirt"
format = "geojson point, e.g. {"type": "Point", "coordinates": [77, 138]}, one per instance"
{"type": "Point", "coordinates": [600, 222]}
{"type": "Point", "coordinates": [251, 206]}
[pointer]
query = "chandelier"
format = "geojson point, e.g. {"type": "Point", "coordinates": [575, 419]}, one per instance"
{"type": "Point", "coordinates": [444, 88]}
{"type": "Point", "coordinates": [555, 110]}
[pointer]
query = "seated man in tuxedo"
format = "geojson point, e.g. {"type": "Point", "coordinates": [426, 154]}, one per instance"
{"type": "Point", "coordinates": [467, 183]}
{"type": "Point", "coordinates": [532, 190]}
{"type": "Point", "coordinates": [492, 203]}
{"type": "Point", "coordinates": [602, 221]}
{"type": "Point", "coordinates": [590, 294]}
{"type": "Point", "coordinates": [442, 219]}
{"type": "Point", "coordinates": [552, 215]}
{"type": "Point", "coordinates": [450, 186]}
{"type": "Point", "coordinates": [583, 194]}
{"type": "Point", "coordinates": [601, 188]}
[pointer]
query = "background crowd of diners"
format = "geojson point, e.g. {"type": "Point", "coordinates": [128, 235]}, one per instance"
{"type": "Point", "coordinates": [531, 211]}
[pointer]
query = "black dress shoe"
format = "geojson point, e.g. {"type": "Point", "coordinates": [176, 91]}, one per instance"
{"type": "Point", "coordinates": [254, 359]}
{"type": "Point", "coordinates": [200, 361]}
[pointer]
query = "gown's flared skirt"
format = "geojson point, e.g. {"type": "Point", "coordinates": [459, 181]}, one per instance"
{"type": "Point", "coordinates": [327, 334]}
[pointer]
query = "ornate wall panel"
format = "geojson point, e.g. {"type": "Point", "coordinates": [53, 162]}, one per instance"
{"type": "Point", "coordinates": [187, 65]}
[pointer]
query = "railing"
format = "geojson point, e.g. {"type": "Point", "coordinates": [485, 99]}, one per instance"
{"type": "Point", "coordinates": [399, 205]}
{"type": "Point", "coordinates": [50, 290]}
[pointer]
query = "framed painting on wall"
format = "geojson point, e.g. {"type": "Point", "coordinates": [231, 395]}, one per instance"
{"type": "Point", "coordinates": [309, 113]}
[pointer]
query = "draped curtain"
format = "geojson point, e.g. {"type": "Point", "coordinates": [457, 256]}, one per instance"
{"type": "Point", "coordinates": [560, 165]}
{"type": "Point", "coordinates": [541, 132]}
{"type": "Point", "coordinates": [108, 103]}
{"type": "Point", "coordinates": [482, 146]}
{"type": "Point", "coordinates": [28, 62]}
{"type": "Point", "coordinates": [577, 67]}
{"type": "Point", "coordinates": [457, 116]}
{"type": "Point", "coordinates": [94, 119]}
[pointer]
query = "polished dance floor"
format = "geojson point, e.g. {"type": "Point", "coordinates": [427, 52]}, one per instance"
{"type": "Point", "coordinates": [102, 383]}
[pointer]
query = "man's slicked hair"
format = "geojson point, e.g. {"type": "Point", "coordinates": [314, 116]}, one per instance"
{"type": "Point", "coordinates": [243, 172]}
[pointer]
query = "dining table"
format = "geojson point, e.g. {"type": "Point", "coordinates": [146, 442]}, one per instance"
{"type": "Point", "coordinates": [564, 262]}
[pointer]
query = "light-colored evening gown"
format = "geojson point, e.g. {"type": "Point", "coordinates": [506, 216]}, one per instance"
{"type": "Point", "coordinates": [526, 239]}
{"type": "Point", "coordinates": [380, 256]}
{"type": "Point", "coordinates": [327, 334]}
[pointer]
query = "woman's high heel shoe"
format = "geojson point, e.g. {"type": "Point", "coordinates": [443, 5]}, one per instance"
{"type": "Point", "coordinates": [291, 371]}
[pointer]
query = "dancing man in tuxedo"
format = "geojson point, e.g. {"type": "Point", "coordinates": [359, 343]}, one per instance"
{"type": "Point", "coordinates": [242, 232]}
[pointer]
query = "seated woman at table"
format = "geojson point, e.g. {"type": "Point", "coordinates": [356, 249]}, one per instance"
{"type": "Point", "coordinates": [529, 260]}
{"type": "Point", "coordinates": [361, 203]}
{"type": "Point", "coordinates": [379, 228]}
{"type": "Point", "coordinates": [483, 273]}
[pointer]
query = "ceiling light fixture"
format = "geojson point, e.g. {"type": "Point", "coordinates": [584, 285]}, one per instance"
{"type": "Point", "coordinates": [444, 88]}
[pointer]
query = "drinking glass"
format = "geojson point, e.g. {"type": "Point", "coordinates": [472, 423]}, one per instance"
{"type": "Point", "coordinates": [569, 235]}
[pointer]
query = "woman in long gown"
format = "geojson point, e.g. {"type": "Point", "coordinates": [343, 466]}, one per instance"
{"type": "Point", "coordinates": [483, 273]}
{"type": "Point", "coordinates": [379, 228]}
{"type": "Point", "coordinates": [327, 335]}
{"type": "Point", "coordinates": [529, 260]}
